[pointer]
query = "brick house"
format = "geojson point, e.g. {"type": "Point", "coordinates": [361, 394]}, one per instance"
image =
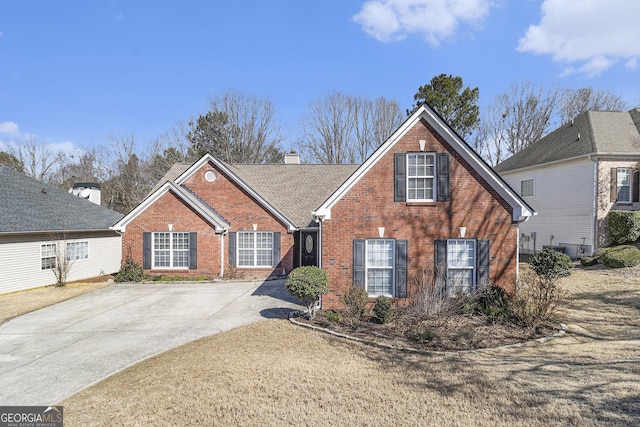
{"type": "Point", "coordinates": [422, 199]}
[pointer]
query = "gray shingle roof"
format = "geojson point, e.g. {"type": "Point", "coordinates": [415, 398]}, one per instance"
{"type": "Point", "coordinates": [28, 205]}
{"type": "Point", "coordinates": [295, 190]}
{"type": "Point", "coordinates": [593, 132]}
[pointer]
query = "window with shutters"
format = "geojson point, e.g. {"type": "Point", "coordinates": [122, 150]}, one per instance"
{"type": "Point", "coordinates": [526, 187]}
{"type": "Point", "coordinates": [380, 256]}
{"type": "Point", "coordinates": [421, 177]}
{"type": "Point", "coordinates": [170, 250]}
{"type": "Point", "coordinates": [624, 185]}
{"type": "Point", "coordinates": [255, 249]}
{"type": "Point", "coordinates": [461, 262]}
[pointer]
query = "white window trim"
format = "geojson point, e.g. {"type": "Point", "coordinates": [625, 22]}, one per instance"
{"type": "Point", "coordinates": [77, 242]}
{"type": "Point", "coordinates": [255, 250]}
{"type": "Point", "coordinates": [533, 187]}
{"type": "Point", "coordinates": [472, 268]}
{"type": "Point", "coordinates": [171, 250]}
{"type": "Point", "coordinates": [55, 259]}
{"type": "Point", "coordinates": [618, 186]}
{"type": "Point", "coordinates": [392, 268]}
{"type": "Point", "coordinates": [433, 177]}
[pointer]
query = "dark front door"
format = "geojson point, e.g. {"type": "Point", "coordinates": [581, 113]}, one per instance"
{"type": "Point", "coordinates": [309, 247]}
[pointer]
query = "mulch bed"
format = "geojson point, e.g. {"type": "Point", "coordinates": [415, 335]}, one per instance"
{"type": "Point", "coordinates": [455, 333]}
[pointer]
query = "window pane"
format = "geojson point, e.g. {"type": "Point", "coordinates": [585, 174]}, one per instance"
{"type": "Point", "coordinates": [264, 257]}
{"type": "Point", "coordinates": [161, 259]}
{"type": "Point", "coordinates": [246, 240]}
{"type": "Point", "coordinates": [459, 281]}
{"type": "Point", "coordinates": [379, 253]}
{"type": "Point", "coordinates": [624, 187]}
{"type": "Point", "coordinates": [47, 256]}
{"type": "Point", "coordinates": [420, 165]}
{"type": "Point", "coordinates": [245, 257]}
{"type": "Point", "coordinates": [460, 253]}
{"type": "Point", "coordinates": [77, 250]}
{"type": "Point", "coordinates": [161, 240]}
{"type": "Point", "coordinates": [526, 188]}
{"type": "Point", "coordinates": [181, 241]}
{"type": "Point", "coordinates": [180, 258]}
{"type": "Point", "coordinates": [379, 281]}
{"type": "Point", "coordinates": [264, 240]}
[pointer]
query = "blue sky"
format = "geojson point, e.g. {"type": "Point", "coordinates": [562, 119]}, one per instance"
{"type": "Point", "coordinates": [74, 72]}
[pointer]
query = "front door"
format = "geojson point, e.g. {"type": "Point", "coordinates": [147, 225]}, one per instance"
{"type": "Point", "coordinates": [309, 248]}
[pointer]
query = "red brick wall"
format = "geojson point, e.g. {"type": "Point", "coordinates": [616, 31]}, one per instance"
{"type": "Point", "coordinates": [370, 204]}
{"type": "Point", "coordinates": [230, 202]}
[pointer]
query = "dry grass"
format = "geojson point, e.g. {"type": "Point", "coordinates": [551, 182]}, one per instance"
{"type": "Point", "coordinates": [23, 302]}
{"type": "Point", "coordinates": [274, 373]}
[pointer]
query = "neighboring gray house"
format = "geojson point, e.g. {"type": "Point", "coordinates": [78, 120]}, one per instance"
{"type": "Point", "coordinates": [36, 219]}
{"type": "Point", "coordinates": [574, 176]}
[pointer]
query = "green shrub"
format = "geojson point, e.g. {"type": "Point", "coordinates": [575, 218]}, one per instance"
{"type": "Point", "coordinates": [308, 283]}
{"type": "Point", "coordinates": [624, 226]}
{"type": "Point", "coordinates": [551, 264]}
{"type": "Point", "coordinates": [621, 256]}
{"type": "Point", "coordinates": [333, 316]}
{"type": "Point", "coordinates": [130, 272]}
{"type": "Point", "coordinates": [491, 301]}
{"type": "Point", "coordinates": [382, 310]}
{"type": "Point", "coordinates": [355, 299]}
{"type": "Point", "coordinates": [587, 261]}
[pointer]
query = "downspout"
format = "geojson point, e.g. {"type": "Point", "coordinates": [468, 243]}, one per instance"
{"type": "Point", "coordinates": [320, 243]}
{"type": "Point", "coordinates": [222, 253]}
{"type": "Point", "coordinates": [594, 235]}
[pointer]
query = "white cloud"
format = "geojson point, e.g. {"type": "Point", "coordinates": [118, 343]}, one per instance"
{"type": "Point", "coordinates": [588, 36]}
{"type": "Point", "coordinates": [9, 128]}
{"type": "Point", "coordinates": [436, 20]}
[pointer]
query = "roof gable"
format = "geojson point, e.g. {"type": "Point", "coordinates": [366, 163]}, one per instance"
{"type": "Point", "coordinates": [521, 211]}
{"type": "Point", "coordinates": [31, 206]}
{"type": "Point", "coordinates": [204, 210]}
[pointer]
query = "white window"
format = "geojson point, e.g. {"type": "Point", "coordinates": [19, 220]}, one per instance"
{"type": "Point", "coordinates": [526, 188]}
{"type": "Point", "coordinates": [77, 250]}
{"type": "Point", "coordinates": [255, 249]}
{"type": "Point", "coordinates": [48, 256]}
{"type": "Point", "coordinates": [624, 185]}
{"type": "Point", "coordinates": [461, 261]}
{"type": "Point", "coordinates": [170, 250]}
{"type": "Point", "coordinates": [379, 266]}
{"type": "Point", "coordinates": [420, 177]}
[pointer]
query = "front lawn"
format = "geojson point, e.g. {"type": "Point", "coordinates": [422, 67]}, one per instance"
{"type": "Point", "coordinates": [275, 373]}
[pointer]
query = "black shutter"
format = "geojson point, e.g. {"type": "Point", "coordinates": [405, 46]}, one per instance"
{"type": "Point", "coordinates": [358, 263]}
{"type": "Point", "coordinates": [232, 249]}
{"type": "Point", "coordinates": [613, 188]}
{"type": "Point", "coordinates": [275, 254]}
{"type": "Point", "coordinates": [193, 251]}
{"type": "Point", "coordinates": [146, 251]}
{"type": "Point", "coordinates": [440, 262]}
{"type": "Point", "coordinates": [442, 166]}
{"type": "Point", "coordinates": [400, 177]}
{"type": "Point", "coordinates": [483, 260]}
{"type": "Point", "coordinates": [636, 187]}
{"type": "Point", "coordinates": [402, 256]}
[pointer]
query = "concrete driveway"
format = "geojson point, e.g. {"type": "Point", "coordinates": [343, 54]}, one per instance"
{"type": "Point", "coordinates": [50, 354]}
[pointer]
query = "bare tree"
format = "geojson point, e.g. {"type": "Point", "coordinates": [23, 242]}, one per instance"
{"type": "Point", "coordinates": [346, 129]}
{"type": "Point", "coordinates": [239, 128]}
{"type": "Point", "coordinates": [58, 258]}
{"type": "Point", "coordinates": [39, 160]}
{"type": "Point", "coordinates": [576, 101]}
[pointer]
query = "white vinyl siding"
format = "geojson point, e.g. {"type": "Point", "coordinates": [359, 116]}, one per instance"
{"type": "Point", "coordinates": [624, 185]}
{"type": "Point", "coordinates": [527, 187]}
{"type": "Point", "coordinates": [380, 257]}
{"type": "Point", "coordinates": [564, 202]}
{"type": "Point", "coordinates": [255, 249]}
{"type": "Point", "coordinates": [170, 250]}
{"type": "Point", "coordinates": [21, 260]}
{"type": "Point", "coordinates": [421, 169]}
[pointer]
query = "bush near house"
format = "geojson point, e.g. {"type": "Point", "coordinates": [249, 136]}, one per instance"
{"type": "Point", "coordinates": [551, 264]}
{"type": "Point", "coordinates": [307, 284]}
{"type": "Point", "coordinates": [130, 272]}
{"type": "Point", "coordinates": [624, 226]}
{"type": "Point", "coordinates": [620, 256]}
